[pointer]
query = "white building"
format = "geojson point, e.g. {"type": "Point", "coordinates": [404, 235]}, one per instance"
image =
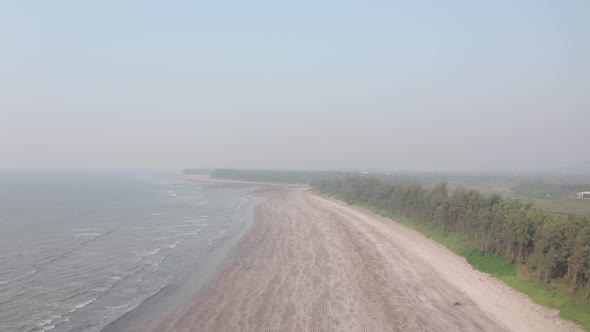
{"type": "Point", "coordinates": [582, 194]}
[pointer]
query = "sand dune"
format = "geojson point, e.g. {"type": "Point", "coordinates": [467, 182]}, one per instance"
{"type": "Point", "coordinates": [315, 264]}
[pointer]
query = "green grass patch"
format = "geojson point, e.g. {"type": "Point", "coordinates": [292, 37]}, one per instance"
{"type": "Point", "coordinates": [562, 206]}
{"type": "Point", "coordinates": [550, 296]}
{"type": "Point", "coordinates": [494, 264]}
{"type": "Point", "coordinates": [499, 267]}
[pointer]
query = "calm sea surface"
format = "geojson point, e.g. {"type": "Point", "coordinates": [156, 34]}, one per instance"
{"type": "Point", "coordinates": [78, 250]}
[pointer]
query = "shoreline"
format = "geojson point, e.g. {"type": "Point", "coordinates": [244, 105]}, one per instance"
{"type": "Point", "coordinates": [149, 313]}
{"type": "Point", "coordinates": [313, 263]}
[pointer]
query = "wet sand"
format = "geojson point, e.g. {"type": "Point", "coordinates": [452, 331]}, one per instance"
{"type": "Point", "coordinates": [315, 264]}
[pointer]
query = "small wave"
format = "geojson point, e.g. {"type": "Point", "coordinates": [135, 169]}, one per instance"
{"type": "Point", "coordinates": [155, 251]}
{"type": "Point", "coordinates": [173, 245]}
{"type": "Point", "coordinates": [87, 234]}
{"type": "Point", "coordinates": [192, 233]}
{"type": "Point", "coordinates": [244, 201]}
{"type": "Point", "coordinates": [219, 235]}
{"type": "Point", "coordinates": [117, 308]}
{"type": "Point", "coordinates": [51, 327]}
{"type": "Point", "coordinates": [83, 304]}
{"type": "Point", "coordinates": [47, 324]}
{"type": "Point", "coordinates": [193, 223]}
{"type": "Point", "coordinates": [44, 322]}
{"type": "Point", "coordinates": [101, 289]}
{"type": "Point", "coordinates": [156, 214]}
{"type": "Point", "coordinates": [4, 282]}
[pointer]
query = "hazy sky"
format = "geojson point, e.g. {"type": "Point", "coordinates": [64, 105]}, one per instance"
{"type": "Point", "coordinates": [409, 85]}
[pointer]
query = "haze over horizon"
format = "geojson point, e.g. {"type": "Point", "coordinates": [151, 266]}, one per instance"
{"type": "Point", "coordinates": [429, 86]}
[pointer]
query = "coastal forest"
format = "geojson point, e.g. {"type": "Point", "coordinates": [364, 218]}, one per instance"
{"type": "Point", "coordinates": [551, 248]}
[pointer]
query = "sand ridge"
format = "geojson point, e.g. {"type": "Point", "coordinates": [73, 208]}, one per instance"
{"type": "Point", "coordinates": [316, 264]}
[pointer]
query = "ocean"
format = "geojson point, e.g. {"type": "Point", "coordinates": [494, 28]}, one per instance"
{"type": "Point", "coordinates": [80, 249]}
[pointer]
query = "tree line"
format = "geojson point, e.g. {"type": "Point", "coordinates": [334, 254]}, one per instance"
{"type": "Point", "coordinates": [547, 246]}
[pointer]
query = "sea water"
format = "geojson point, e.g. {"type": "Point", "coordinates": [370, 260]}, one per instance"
{"type": "Point", "coordinates": [80, 249]}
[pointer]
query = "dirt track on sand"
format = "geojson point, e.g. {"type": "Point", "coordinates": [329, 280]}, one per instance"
{"type": "Point", "coordinates": [315, 264]}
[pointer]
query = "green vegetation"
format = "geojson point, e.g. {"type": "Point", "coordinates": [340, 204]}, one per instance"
{"type": "Point", "coordinates": [553, 194]}
{"type": "Point", "coordinates": [564, 206]}
{"type": "Point", "coordinates": [546, 257]}
{"type": "Point", "coordinates": [543, 188]}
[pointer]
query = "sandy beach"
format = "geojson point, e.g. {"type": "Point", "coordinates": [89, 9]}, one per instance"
{"type": "Point", "coordinates": [310, 263]}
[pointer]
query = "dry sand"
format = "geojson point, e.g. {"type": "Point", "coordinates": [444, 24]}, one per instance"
{"type": "Point", "coordinates": [316, 264]}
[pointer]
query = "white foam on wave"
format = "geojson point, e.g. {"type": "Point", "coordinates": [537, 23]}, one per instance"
{"type": "Point", "coordinates": [194, 223]}
{"type": "Point", "coordinates": [44, 322]}
{"type": "Point", "coordinates": [101, 289]}
{"type": "Point", "coordinates": [173, 245]}
{"type": "Point", "coordinates": [118, 308]}
{"type": "Point", "coordinates": [244, 201]}
{"type": "Point", "coordinates": [168, 226]}
{"type": "Point", "coordinates": [84, 229]}
{"type": "Point", "coordinates": [83, 304]}
{"type": "Point", "coordinates": [48, 328]}
{"type": "Point", "coordinates": [156, 214]}
{"type": "Point", "coordinates": [47, 324]}
{"type": "Point", "coordinates": [155, 251]}
{"type": "Point", "coordinates": [87, 234]}
{"type": "Point", "coordinates": [192, 233]}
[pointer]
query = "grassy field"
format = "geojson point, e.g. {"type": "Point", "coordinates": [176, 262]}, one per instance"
{"type": "Point", "coordinates": [563, 206]}
{"type": "Point", "coordinates": [544, 294]}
